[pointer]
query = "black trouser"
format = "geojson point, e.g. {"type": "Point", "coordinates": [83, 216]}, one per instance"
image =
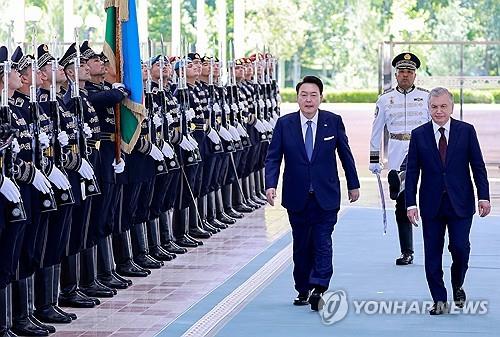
{"type": "Point", "coordinates": [404, 226]}
{"type": "Point", "coordinates": [52, 243]}
{"type": "Point", "coordinates": [161, 187]}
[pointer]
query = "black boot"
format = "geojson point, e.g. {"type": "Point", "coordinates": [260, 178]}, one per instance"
{"type": "Point", "coordinates": [194, 230]}
{"type": "Point", "coordinates": [167, 243]}
{"type": "Point", "coordinates": [45, 312]}
{"type": "Point", "coordinates": [105, 266]}
{"type": "Point", "coordinates": [261, 190]}
{"type": "Point", "coordinates": [140, 248]}
{"type": "Point", "coordinates": [55, 292]}
{"type": "Point", "coordinates": [202, 209]}
{"type": "Point", "coordinates": [31, 301]}
{"type": "Point", "coordinates": [253, 188]}
{"type": "Point", "coordinates": [5, 313]}
{"type": "Point", "coordinates": [122, 249]}
{"type": "Point", "coordinates": [155, 249]}
{"type": "Point", "coordinates": [227, 193]}
{"type": "Point", "coordinates": [212, 211]}
{"type": "Point", "coordinates": [180, 228]}
{"type": "Point", "coordinates": [220, 214]}
{"type": "Point", "coordinates": [238, 198]}
{"type": "Point", "coordinates": [69, 295]}
{"type": "Point", "coordinates": [89, 285]}
{"type": "Point", "coordinates": [248, 195]}
{"type": "Point", "coordinates": [21, 324]}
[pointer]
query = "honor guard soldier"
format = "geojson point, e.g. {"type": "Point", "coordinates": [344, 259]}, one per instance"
{"type": "Point", "coordinates": [400, 110]}
{"type": "Point", "coordinates": [104, 96]}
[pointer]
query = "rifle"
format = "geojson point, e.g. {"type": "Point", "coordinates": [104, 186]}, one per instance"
{"type": "Point", "coordinates": [90, 186]}
{"type": "Point", "coordinates": [161, 166]}
{"type": "Point", "coordinates": [257, 104]}
{"type": "Point", "coordinates": [47, 200]}
{"type": "Point", "coordinates": [63, 197]}
{"type": "Point", "coordinates": [227, 145]}
{"type": "Point", "coordinates": [165, 133]}
{"type": "Point", "coordinates": [15, 211]}
{"type": "Point", "coordinates": [190, 157]}
{"type": "Point", "coordinates": [266, 94]}
{"type": "Point", "coordinates": [214, 148]}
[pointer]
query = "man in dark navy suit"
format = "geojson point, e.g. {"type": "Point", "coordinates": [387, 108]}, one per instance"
{"type": "Point", "coordinates": [307, 139]}
{"type": "Point", "coordinates": [445, 150]}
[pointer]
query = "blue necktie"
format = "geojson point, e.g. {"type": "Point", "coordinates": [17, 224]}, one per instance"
{"type": "Point", "coordinates": [309, 140]}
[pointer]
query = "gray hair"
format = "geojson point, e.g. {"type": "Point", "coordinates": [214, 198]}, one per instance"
{"type": "Point", "coordinates": [437, 92]}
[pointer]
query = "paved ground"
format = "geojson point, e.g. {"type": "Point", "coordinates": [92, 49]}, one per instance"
{"type": "Point", "coordinates": [154, 302]}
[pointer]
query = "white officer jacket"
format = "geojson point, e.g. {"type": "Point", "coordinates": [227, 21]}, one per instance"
{"type": "Point", "coordinates": [401, 112]}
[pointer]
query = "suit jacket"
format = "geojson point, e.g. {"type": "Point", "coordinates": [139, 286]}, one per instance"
{"type": "Point", "coordinates": [462, 155]}
{"type": "Point", "coordinates": [321, 172]}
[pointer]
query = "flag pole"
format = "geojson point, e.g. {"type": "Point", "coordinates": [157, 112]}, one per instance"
{"type": "Point", "coordinates": [118, 61]}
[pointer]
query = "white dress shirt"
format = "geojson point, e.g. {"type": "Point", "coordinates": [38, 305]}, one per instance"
{"type": "Point", "coordinates": [314, 126]}
{"type": "Point", "coordinates": [437, 134]}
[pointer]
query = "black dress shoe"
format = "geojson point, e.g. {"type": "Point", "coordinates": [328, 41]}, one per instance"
{"type": "Point", "coordinates": [172, 248]}
{"type": "Point", "coordinates": [76, 299]}
{"type": "Point", "coordinates": [233, 214]}
{"type": "Point", "coordinates": [314, 300]}
{"type": "Point", "coordinates": [258, 201]}
{"type": "Point", "coordinates": [301, 299]}
{"type": "Point", "coordinates": [131, 270]}
{"type": "Point", "coordinates": [198, 242]}
{"type": "Point", "coordinates": [253, 204]}
{"type": "Point", "coordinates": [459, 297]}
{"type": "Point", "coordinates": [185, 242]}
{"type": "Point", "coordinates": [26, 328]}
{"type": "Point", "coordinates": [105, 287]}
{"type": "Point", "coordinates": [209, 228]}
{"type": "Point", "coordinates": [71, 315]}
{"type": "Point", "coordinates": [261, 196]}
{"type": "Point", "coordinates": [243, 208]}
{"type": "Point", "coordinates": [222, 217]}
{"type": "Point", "coordinates": [146, 261]}
{"type": "Point", "coordinates": [51, 315]}
{"type": "Point", "coordinates": [394, 184]}
{"type": "Point", "coordinates": [95, 290]}
{"type": "Point", "coordinates": [404, 259]}
{"type": "Point", "coordinates": [49, 328]}
{"type": "Point", "coordinates": [199, 233]}
{"type": "Point", "coordinates": [119, 277]}
{"type": "Point", "coordinates": [439, 308]}
{"type": "Point", "coordinates": [112, 282]}
{"type": "Point", "coordinates": [7, 333]}
{"type": "Point", "coordinates": [160, 254]}
{"type": "Point", "coordinates": [217, 224]}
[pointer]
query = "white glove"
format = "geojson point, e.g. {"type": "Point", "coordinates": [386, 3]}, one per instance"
{"type": "Point", "coordinates": [43, 139]}
{"type": "Point", "coordinates": [267, 125]}
{"type": "Point", "coordinates": [118, 85]}
{"type": "Point", "coordinates": [167, 150]}
{"type": "Point", "coordinates": [213, 136]}
{"type": "Point", "coordinates": [169, 118]}
{"type": "Point", "coordinates": [375, 167]}
{"type": "Point", "coordinates": [259, 126]}
{"type": "Point", "coordinates": [40, 182]}
{"type": "Point", "coordinates": [262, 104]}
{"type": "Point", "coordinates": [87, 131]}
{"type": "Point", "coordinates": [186, 145]}
{"type": "Point", "coordinates": [225, 134]}
{"type": "Point", "coordinates": [234, 133]}
{"type": "Point", "coordinates": [86, 170]}
{"type": "Point", "coordinates": [192, 141]}
{"type": "Point", "coordinates": [268, 103]}
{"type": "Point", "coordinates": [273, 103]}
{"type": "Point", "coordinates": [59, 179]}
{"type": "Point", "coordinates": [216, 108]}
{"type": "Point", "coordinates": [10, 190]}
{"type": "Point", "coordinates": [278, 98]}
{"type": "Point", "coordinates": [241, 130]}
{"type": "Point", "coordinates": [226, 107]}
{"type": "Point", "coordinates": [120, 166]}
{"type": "Point", "coordinates": [15, 146]}
{"type": "Point", "coordinates": [234, 107]}
{"type": "Point", "coordinates": [190, 114]}
{"type": "Point", "coordinates": [241, 105]}
{"type": "Point", "coordinates": [63, 138]}
{"type": "Point", "coordinates": [156, 120]}
{"type": "Point", "coordinates": [155, 153]}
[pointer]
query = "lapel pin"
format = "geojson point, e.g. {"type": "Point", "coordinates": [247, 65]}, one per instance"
{"type": "Point", "coordinates": [326, 125]}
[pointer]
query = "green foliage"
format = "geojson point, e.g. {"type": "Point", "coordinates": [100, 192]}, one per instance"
{"type": "Point", "coordinates": [370, 96]}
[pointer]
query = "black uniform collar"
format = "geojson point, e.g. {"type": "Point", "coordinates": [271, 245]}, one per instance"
{"type": "Point", "coordinates": [405, 91]}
